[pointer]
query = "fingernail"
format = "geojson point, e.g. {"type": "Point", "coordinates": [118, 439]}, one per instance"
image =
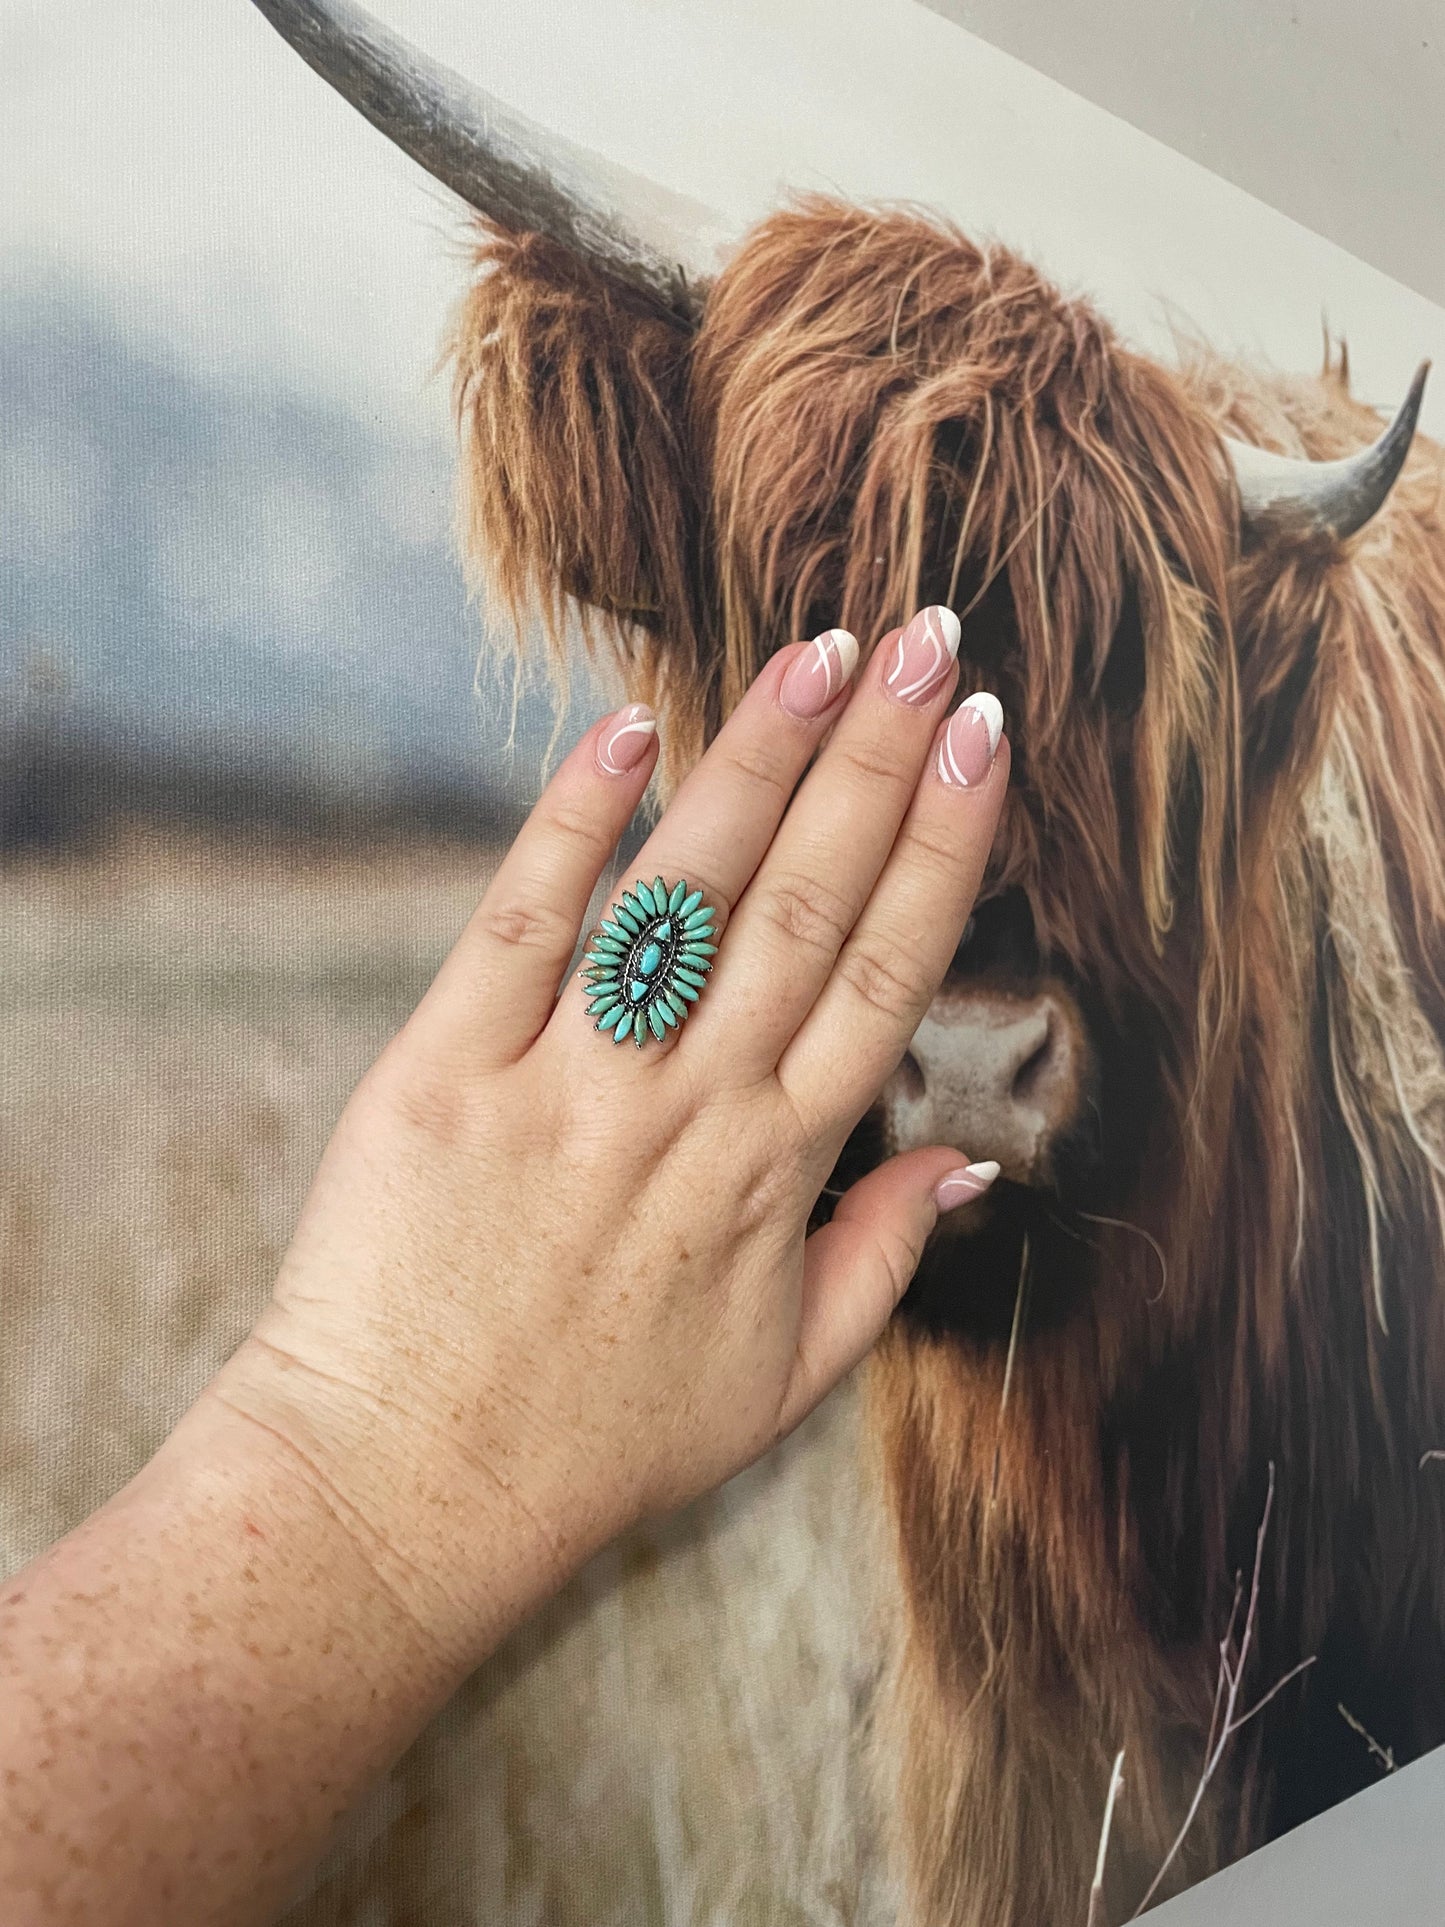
{"type": "Point", "coordinates": [922, 654]}
{"type": "Point", "coordinates": [969, 744]}
{"type": "Point", "coordinates": [819, 673]}
{"type": "Point", "coordinates": [962, 1186]}
{"type": "Point", "coordinates": [623, 743]}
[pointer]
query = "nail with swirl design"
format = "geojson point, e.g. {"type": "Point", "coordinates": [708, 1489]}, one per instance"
{"type": "Point", "coordinates": [819, 673]}
{"type": "Point", "coordinates": [623, 742]}
{"type": "Point", "coordinates": [921, 656]}
{"type": "Point", "coordinates": [968, 746]}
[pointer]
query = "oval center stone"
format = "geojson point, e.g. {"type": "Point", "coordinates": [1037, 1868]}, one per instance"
{"type": "Point", "coordinates": [649, 960]}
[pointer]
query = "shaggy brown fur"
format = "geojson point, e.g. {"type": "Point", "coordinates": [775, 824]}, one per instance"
{"type": "Point", "coordinates": [1229, 765]}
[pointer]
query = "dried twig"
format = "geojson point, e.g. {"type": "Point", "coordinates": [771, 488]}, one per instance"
{"type": "Point", "coordinates": [1020, 1308]}
{"type": "Point", "coordinates": [1384, 1754]}
{"type": "Point", "coordinates": [1224, 1722]}
{"type": "Point", "coordinates": [1096, 1892]}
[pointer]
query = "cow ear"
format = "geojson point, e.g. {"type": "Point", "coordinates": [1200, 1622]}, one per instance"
{"type": "Point", "coordinates": [578, 486]}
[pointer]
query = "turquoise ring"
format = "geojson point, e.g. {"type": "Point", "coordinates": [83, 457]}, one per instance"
{"type": "Point", "coordinates": [648, 964]}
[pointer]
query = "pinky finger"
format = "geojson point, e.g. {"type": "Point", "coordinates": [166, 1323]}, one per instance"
{"type": "Point", "coordinates": [858, 1266]}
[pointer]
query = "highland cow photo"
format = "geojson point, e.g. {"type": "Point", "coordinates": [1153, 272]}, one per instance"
{"type": "Point", "coordinates": [387, 393]}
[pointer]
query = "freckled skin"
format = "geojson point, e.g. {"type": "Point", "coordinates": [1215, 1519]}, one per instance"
{"type": "Point", "coordinates": [301, 1661]}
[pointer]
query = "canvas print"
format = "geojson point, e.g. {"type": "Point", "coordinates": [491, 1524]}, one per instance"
{"type": "Point", "coordinates": [1126, 1550]}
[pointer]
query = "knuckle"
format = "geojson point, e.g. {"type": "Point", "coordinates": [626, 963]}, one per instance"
{"type": "Point", "coordinates": [939, 856]}
{"type": "Point", "coordinates": [574, 824]}
{"type": "Point", "coordinates": [526, 926]}
{"type": "Point", "coordinates": [754, 764]}
{"type": "Point", "coordinates": [870, 765]}
{"type": "Point", "coordinates": [417, 1093]}
{"type": "Point", "coordinates": [808, 912]}
{"type": "Point", "coordinates": [900, 1257]}
{"type": "Point", "coordinates": [885, 974]}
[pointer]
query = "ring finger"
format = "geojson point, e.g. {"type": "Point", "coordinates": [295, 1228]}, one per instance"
{"type": "Point", "coordinates": [726, 814]}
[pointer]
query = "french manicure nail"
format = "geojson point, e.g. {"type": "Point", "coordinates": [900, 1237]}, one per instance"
{"type": "Point", "coordinates": [962, 1186]}
{"type": "Point", "coordinates": [817, 675]}
{"type": "Point", "coordinates": [922, 654]}
{"type": "Point", "coordinates": [623, 743]}
{"type": "Point", "coordinates": [970, 742]}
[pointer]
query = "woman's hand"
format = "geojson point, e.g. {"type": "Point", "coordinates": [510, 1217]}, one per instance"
{"type": "Point", "coordinates": [545, 1284]}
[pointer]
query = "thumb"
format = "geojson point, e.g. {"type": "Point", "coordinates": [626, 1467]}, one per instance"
{"type": "Point", "coordinates": [858, 1266]}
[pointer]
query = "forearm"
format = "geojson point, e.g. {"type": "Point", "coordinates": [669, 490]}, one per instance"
{"type": "Point", "coordinates": [199, 1681]}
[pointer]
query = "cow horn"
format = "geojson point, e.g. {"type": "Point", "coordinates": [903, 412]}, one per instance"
{"type": "Point", "coordinates": [521, 178]}
{"type": "Point", "coordinates": [1279, 495]}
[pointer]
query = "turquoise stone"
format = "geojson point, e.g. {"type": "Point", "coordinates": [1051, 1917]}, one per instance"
{"type": "Point", "coordinates": [646, 965]}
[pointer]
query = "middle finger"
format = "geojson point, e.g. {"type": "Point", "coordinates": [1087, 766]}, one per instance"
{"type": "Point", "coordinates": [812, 885]}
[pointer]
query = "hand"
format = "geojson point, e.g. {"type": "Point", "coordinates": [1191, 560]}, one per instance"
{"type": "Point", "coordinates": [545, 1284]}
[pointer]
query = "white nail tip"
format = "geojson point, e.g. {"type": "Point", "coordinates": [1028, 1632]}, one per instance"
{"type": "Point", "coordinates": [643, 726]}
{"type": "Point", "coordinates": [952, 628]}
{"type": "Point", "coordinates": [845, 648]}
{"type": "Point", "coordinates": [985, 1172]}
{"type": "Point", "coordinates": [991, 710]}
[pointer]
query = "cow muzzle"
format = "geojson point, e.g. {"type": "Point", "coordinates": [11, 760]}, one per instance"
{"type": "Point", "coordinates": [995, 1074]}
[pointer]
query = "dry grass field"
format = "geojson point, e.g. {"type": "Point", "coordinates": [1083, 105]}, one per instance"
{"type": "Point", "coordinates": [679, 1739]}
{"type": "Point", "coordinates": [183, 1021]}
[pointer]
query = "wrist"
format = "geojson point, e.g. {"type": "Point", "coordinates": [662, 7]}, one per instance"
{"type": "Point", "coordinates": [452, 1529]}
{"type": "Point", "coordinates": [205, 1674]}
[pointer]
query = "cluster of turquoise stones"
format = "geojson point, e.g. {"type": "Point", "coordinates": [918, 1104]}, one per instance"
{"type": "Point", "coordinates": [648, 963]}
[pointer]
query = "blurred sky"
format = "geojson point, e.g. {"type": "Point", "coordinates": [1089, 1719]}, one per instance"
{"type": "Point", "coordinates": [177, 153]}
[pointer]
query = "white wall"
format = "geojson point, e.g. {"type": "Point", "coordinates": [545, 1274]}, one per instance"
{"type": "Point", "coordinates": [178, 154]}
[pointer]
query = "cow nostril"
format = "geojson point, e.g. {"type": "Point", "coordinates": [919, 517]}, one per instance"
{"type": "Point", "coordinates": [1031, 1070]}
{"type": "Point", "coordinates": [908, 1080]}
